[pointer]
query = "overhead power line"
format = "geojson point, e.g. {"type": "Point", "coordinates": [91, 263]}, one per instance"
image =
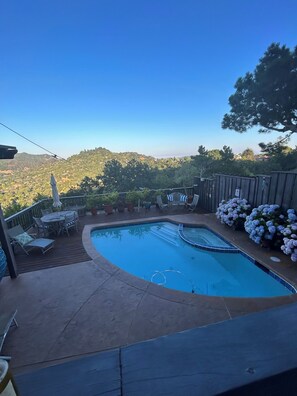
{"type": "Point", "coordinates": [36, 144]}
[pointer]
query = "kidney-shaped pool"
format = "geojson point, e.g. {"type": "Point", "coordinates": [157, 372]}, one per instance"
{"type": "Point", "coordinates": [157, 253]}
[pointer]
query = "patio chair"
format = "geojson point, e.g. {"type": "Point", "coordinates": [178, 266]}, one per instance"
{"type": "Point", "coordinates": [160, 203]}
{"type": "Point", "coordinates": [6, 321]}
{"type": "Point", "coordinates": [71, 221]}
{"type": "Point", "coordinates": [42, 229]}
{"type": "Point", "coordinates": [177, 199]}
{"type": "Point", "coordinates": [192, 206]}
{"type": "Point", "coordinates": [26, 242]}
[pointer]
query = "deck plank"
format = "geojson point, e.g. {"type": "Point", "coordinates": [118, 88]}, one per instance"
{"type": "Point", "coordinates": [70, 250]}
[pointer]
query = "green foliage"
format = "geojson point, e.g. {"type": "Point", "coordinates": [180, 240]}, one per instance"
{"type": "Point", "coordinates": [267, 98]}
{"type": "Point", "coordinates": [89, 184]}
{"type": "Point", "coordinates": [92, 202]}
{"type": "Point", "coordinates": [23, 161]}
{"type": "Point", "coordinates": [215, 154]}
{"type": "Point", "coordinates": [248, 155]}
{"type": "Point", "coordinates": [84, 173]}
{"type": "Point", "coordinates": [27, 176]}
{"type": "Point", "coordinates": [185, 174]}
{"type": "Point", "coordinates": [111, 198]}
{"type": "Point", "coordinates": [202, 151]}
{"type": "Point", "coordinates": [135, 174]}
{"type": "Point", "coordinates": [134, 196]}
{"type": "Point", "coordinates": [226, 154]}
{"type": "Point", "coordinates": [112, 178]}
{"type": "Point", "coordinates": [13, 208]}
{"type": "Point", "coordinates": [207, 166]}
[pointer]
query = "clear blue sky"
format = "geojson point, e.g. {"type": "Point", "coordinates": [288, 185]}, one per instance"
{"type": "Point", "coordinates": [151, 76]}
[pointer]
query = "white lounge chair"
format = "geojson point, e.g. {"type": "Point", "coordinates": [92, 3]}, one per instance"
{"type": "Point", "coordinates": [192, 206]}
{"type": "Point", "coordinates": [27, 242]}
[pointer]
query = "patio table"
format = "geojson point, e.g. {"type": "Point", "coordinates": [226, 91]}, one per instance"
{"type": "Point", "coordinates": [56, 220]}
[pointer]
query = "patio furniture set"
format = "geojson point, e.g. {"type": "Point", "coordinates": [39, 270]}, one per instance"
{"type": "Point", "coordinates": [176, 200]}
{"type": "Point", "coordinates": [56, 223]}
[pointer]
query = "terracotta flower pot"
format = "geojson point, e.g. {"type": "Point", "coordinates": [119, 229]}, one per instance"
{"type": "Point", "coordinates": [94, 211]}
{"type": "Point", "coordinates": [130, 207]}
{"type": "Point", "coordinates": [108, 209]}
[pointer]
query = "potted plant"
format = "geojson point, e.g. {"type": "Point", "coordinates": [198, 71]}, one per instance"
{"type": "Point", "coordinates": [91, 204]}
{"type": "Point", "coordinates": [132, 198]}
{"type": "Point", "coordinates": [109, 201]}
{"type": "Point", "coordinates": [233, 213]}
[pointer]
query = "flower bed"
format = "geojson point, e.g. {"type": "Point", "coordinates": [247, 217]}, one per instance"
{"type": "Point", "coordinates": [233, 212]}
{"type": "Point", "coordinates": [289, 232]}
{"type": "Point", "coordinates": [264, 225]}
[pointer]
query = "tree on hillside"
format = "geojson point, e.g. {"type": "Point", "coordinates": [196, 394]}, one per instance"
{"type": "Point", "coordinates": [267, 97]}
{"type": "Point", "coordinates": [184, 176]}
{"type": "Point", "coordinates": [281, 154]}
{"type": "Point", "coordinates": [136, 174]}
{"type": "Point", "coordinates": [248, 155]}
{"type": "Point", "coordinates": [273, 149]}
{"type": "Point", "coordinates": [112, 177]}
{"type": "Point", "coordinates": [88, 185]}
{"type": "Point", "coordinates": [202, 151]}
{"type": "Point", "coordinates": [226, 154]}
{"type": "Point", "coordinates": [202, 161]}
{"type": "Point", "coordinates": [215, 154]}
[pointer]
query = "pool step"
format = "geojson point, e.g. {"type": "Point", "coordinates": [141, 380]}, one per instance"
{"type": "Point", "coordinates": [167, 234]}
{"type": "Point", "coordinates": [211, 247]}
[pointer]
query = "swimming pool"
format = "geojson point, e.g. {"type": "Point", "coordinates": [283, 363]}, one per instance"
{"type": "Point", "coordinates": [156, 252]}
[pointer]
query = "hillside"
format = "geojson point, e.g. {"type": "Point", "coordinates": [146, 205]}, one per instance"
{"type": "Point", "coordinates": [24, 161]}
{"type": "Point", "coordinates": [28, 175]}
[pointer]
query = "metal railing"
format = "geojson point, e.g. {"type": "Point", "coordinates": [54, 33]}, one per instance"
{"type": "Point", "coordinates": [25, 216]}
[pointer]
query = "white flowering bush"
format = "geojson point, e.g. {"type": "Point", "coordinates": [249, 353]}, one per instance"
{"type": "Point", "coordinates": [289, 232]}
{"type": "Point", "coordinates": [265, 224]}
{"type": "Point", "coordinates": [233, 212]}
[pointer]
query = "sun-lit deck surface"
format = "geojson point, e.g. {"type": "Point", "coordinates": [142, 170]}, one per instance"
{"type": "Point", "coordinates": [83, 306]}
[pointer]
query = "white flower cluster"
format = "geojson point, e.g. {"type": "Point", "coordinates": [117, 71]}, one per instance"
{"type": "Point", "coordinates": [290, 235]}
{"type": "Point", "coordinates": [232, 211]}
{"type": "Point", "coordinates": [265, 222]}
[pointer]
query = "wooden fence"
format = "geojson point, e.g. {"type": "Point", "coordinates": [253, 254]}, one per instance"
{"type": "Point", "coordinates": [279, 188]}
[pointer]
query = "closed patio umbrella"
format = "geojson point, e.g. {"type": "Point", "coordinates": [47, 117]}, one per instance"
{"type": "Point", "coordinates": [56, 199]}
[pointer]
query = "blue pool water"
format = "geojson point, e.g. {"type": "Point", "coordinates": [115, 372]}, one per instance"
{"type": "Point", "coordinates": [155, 252]}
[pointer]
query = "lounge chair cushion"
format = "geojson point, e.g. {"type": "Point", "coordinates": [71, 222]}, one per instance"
{"type": "Point", "coordinates": [24, 238]}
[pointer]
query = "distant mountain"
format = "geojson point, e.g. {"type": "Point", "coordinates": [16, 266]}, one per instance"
{"type": "Point", "coordinates": [28, 175]}
{"type": "Point", "coordinates": [25, 161]}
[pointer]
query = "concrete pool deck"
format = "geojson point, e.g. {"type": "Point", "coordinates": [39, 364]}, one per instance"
{"type": "Point", "coordinates": [84, 308]}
